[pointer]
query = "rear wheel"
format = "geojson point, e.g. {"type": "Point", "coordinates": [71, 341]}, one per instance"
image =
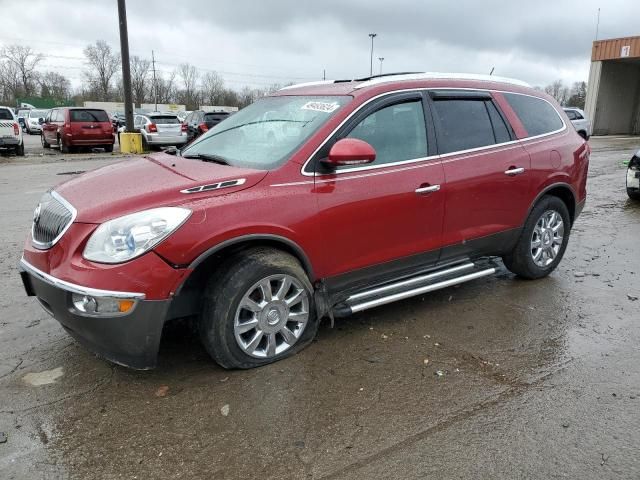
{"type": "Point", "coordinates": [583, 134]}
{"type": "Point", "coordinates": [20, 150]}
{"type": "Point", "coordinates": [258, 309]}
{"type": "Point", "coordinates": [64, 148]}
{"type": "Point", "coordinates": [543, 240]}
{"type": "Point", "coordinates": [145, 144]}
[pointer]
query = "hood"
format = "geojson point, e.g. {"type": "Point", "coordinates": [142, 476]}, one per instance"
{"type": "Point", "coordinates": [147, 182]}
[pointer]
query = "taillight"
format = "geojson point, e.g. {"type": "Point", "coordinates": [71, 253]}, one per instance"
{"type": "Point", "coordinates": [203, 127]}
{"type": "Point", "coordinates": [183, 127]}
{"type": "Point", "coordinates": [16, 129]}
{"type": "Point", "coordinates": [151, 128]}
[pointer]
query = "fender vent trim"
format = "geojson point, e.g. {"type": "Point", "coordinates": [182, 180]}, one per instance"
{"type": "Point", "coordinates": [215, 186]}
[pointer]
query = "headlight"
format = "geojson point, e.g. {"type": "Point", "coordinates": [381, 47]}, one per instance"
{"type": "Point", "coordinates": [121, 239]}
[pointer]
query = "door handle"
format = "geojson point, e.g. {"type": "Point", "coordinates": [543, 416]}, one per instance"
{"type": "Point", "coordinates": [513, 171]}
{"type": "Point", "coordinates": [428, 189]}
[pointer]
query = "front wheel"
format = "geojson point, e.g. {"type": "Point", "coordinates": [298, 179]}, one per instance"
{"type": "Point", "coordinates": [108, 148]}
{"type": "Point", "coordinates": [543, 240]}
{"type": "Point", "coordinates": [258, 309]}
{"type": "Point", "coordinates": [45, 144]}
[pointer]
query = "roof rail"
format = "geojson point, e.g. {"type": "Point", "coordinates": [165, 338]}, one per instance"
{"type": "Point", "coordinates": [307, 84]}
{"type": "Point", "coordinates": [377, 79]}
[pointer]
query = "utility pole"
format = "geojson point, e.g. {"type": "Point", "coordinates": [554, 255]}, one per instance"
{"type": "Point", "coordinates": [155, 85]}
{"type": "Point", "coordinates": [381, 60]}
{"type": "Point", "coordinates": [324, 74]}
{"type": "Point", "coordinates": [598, 25]}
{"type": "Point", "coordinates": [126, 70]}
{"type": "Point", "coordinates": [491, 72]}
{"type": "Point", "coordinates": [372, 35]}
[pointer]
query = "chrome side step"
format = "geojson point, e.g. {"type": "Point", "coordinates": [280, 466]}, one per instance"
{"type": "Point", "coordinates": [411, 287]}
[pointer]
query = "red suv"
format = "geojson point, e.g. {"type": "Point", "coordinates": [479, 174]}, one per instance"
{"type": "Point", "coordinates": [322, 200]}
{"type": "Point", "coordinates": [68, 128]}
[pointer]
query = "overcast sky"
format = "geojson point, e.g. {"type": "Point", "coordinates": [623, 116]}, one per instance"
{"type": "Point", "coordinates": [257, 43]}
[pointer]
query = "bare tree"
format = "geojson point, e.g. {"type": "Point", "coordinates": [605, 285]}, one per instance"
{"type": "Point", "coordinates": [558, 91]}
{"type": "Point", "coordinates": [9, 82]}
{"type": "Point", "coordinates": [166, 88]}
{"type": "Point", "coordinates": [578, 95]}
{"type": "Point", "coordinates": [140, 70]}
{"type": "Point", "coordinates": [212, 88]}
{"type": "Point", "coordinates": [54, 84]}
{"type": "Point", "coordinates": [22, 62]}
{"type": "Point", "coordinates": [102, 65]}
{"type": "Point", "coordinates": [189, 94]}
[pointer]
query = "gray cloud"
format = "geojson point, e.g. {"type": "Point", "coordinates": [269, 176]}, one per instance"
{"type": "Point", "coordinates": [259, 42]}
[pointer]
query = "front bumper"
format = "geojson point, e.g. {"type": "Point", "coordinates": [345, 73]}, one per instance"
{"type": "Point", "coordinates": [130, 339]}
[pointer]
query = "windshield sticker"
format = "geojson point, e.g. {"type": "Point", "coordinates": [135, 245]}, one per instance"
{"type": "Point", "coordinates": [325, 107]}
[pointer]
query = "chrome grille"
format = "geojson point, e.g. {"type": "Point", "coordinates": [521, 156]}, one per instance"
{"type": "Point", "coordinates": [51, 218]}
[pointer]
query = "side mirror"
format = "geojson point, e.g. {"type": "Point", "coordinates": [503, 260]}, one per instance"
{"type": "Point", "coordinates": [350, 151]}
{"type": "Point", "coordinates": [41, 120]}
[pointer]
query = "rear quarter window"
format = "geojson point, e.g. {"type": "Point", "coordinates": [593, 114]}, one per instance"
{"type": "Point", "coordinates": [536, 115]}
{"type": "Point", "coordinates": [88, 116]}
{"type": "Point", "coordinates": [5, 114]}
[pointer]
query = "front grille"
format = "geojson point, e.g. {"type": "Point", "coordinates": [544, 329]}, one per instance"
{"type": "Point", "coordinates": [51, 218]}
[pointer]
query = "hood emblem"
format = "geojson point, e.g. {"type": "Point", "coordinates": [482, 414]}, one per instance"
{"type": "Point", "coordinates": [215, 186]}
{"type": "Point", "coordinates": [36, 213]}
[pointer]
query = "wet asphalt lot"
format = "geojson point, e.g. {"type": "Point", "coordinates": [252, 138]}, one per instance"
{"type": "Point", "coordinates": [538, 379]}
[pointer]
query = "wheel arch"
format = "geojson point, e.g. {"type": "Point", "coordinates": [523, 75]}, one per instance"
{"type": "Point", "coordinates": [564, 192]}
{"type": "Point", "coordinates": [189, 294]}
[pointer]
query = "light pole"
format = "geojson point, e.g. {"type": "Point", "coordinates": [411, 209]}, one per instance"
{"type": "Point", "coordinates": [381, 60]}
{"type": "Point", "coordinates": [126, 73]}
{"type": "Point", "coordinates": [372, 35]}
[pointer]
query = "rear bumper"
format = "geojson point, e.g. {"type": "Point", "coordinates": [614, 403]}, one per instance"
{"type": "Point", "coordinates": [9, 142]}
{"type": "Point", "coordinates": [91, 141]}
{"type": "Point", "coordinates": [166, 140]}
{"type": "Point", "coordinates": [130, 339]}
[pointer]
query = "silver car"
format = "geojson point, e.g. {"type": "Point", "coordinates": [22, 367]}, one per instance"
{"type": "Point", "coordinates": [580, 121]}
{"type": "Point", "coordinates": [159, 130]}
{"type": "Point", "coordinates": [32, 121]}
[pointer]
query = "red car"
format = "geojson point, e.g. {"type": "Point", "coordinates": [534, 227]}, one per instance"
{"type": "Point", "coordinates": [324, 199]}
{"type": "Point", "coordinates": [68, 128]}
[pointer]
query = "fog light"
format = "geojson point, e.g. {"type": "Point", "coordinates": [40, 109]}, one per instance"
{"type": "Point", "coordinates": [101, 305]}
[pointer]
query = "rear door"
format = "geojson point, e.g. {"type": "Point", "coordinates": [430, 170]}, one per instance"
{"type": "Point", "coordinates": [90, 125]}
{"type": "Point", "coordinates": [167, 125]}
{"type": "Point", "coordinates": [383, 219]}
{"type": "Point", "coordinates": [487, 173]}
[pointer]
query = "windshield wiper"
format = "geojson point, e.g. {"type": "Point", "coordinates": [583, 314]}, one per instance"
{"type": "Point", "coordinates": [208, 157]}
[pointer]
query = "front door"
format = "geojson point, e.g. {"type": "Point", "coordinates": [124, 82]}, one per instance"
{"type": "Point", "coordinates": [486, 171]}
{"type": "Point", "coordinates": [383, 219]}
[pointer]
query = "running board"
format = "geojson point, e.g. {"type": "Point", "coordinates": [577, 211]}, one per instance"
{"type": "Point", "coordinates": [410, 288]}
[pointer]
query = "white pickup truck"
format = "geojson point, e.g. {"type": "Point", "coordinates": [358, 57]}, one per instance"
{"type": "Point", "coordinates": [10, 132]}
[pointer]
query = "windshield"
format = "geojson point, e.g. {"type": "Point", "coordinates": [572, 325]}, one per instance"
{"type": "Point", "coordinates": [267, 132]}
{"type": "Point", "coordinates": [37, 113]}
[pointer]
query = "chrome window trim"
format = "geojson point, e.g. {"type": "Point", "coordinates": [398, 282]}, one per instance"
{"type": "Point", "coordinates": [74, 214]}
{"type": "Point", "coordinates": [432, 157]}
{"type": "Point", "coordinates": [79, 289]}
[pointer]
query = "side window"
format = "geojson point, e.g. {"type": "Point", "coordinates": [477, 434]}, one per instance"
{"type": "Point", "coordinates": [572, 114]}
{"type": "Point", "coordinates": [463, 124]}
{"type": "Point", "coordinates": [537, 115]}
{"type": "Point", "coordinates": [578, 115]}
{"type": "Point", "coordinates": [397, 132]}
{"type": "Point", "coordinates": [499, 127]}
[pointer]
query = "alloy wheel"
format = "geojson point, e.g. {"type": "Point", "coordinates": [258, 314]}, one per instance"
{"type": "Point", "coordinates": [547, 238]}
{"type": "Point", "coordinates": [271, 316]}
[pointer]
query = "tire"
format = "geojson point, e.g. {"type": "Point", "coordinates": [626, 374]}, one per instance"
{"type": "Point", "coordinates": [584, 135]}
{"type": "Point", "coordinates": [633, 193]}
{"type": "Point", "coordinates": [145, 144]}
{"type": "Point", "coordinates": [108, 148]}
{"type": "Point", "coordinates": [20, 150]}
{"type": "Point", "coordinates": [237, 284]}
{"type": "Point", "coordinates": [44, 142]}
{"type": "Point", "coordinates": [521, 260]}
{"type": "Point", "coordinates": [64, 148]}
